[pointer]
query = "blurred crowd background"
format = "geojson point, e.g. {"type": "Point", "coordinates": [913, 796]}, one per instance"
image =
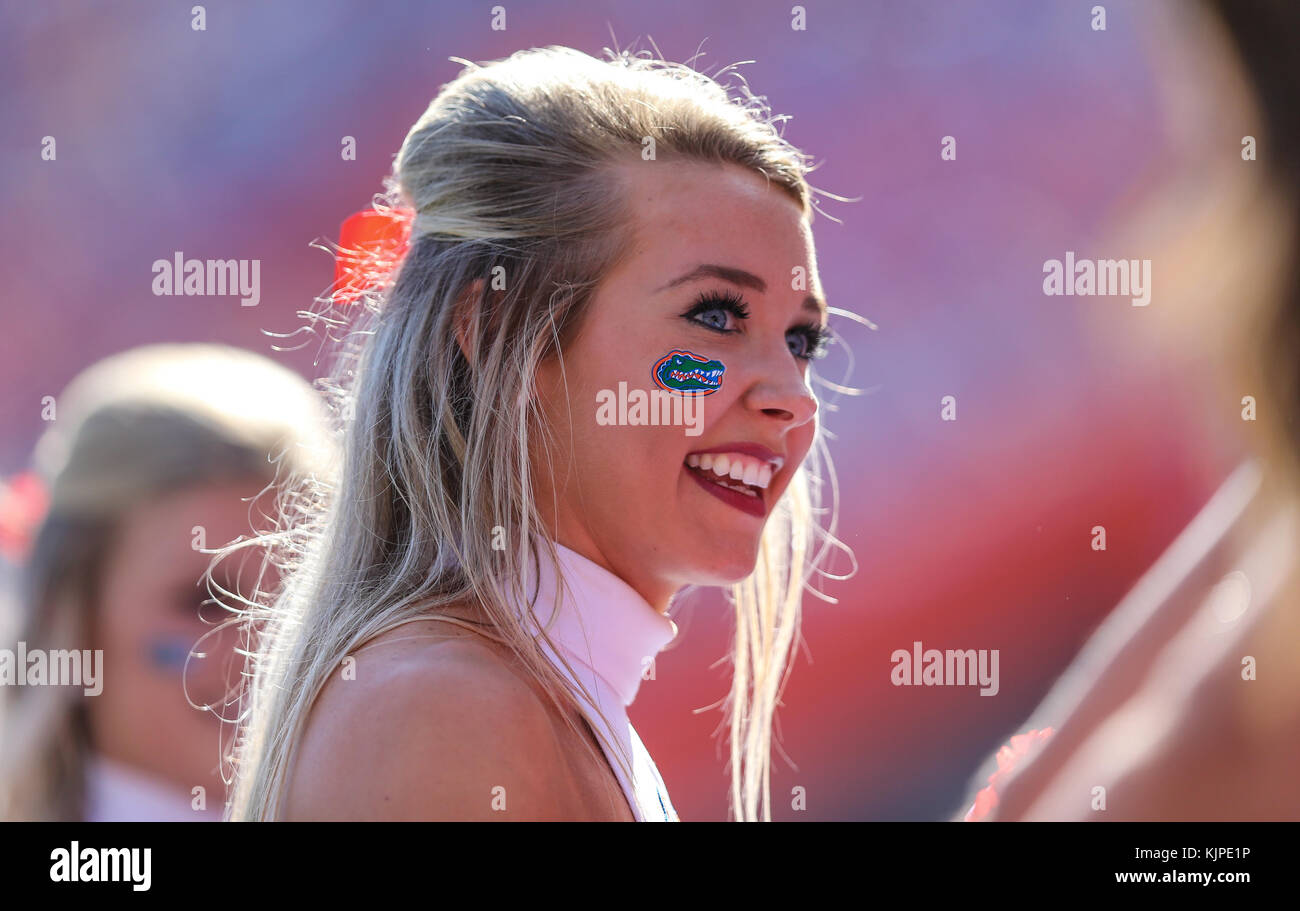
{"type": "Point", "coordinates": [974, 533]}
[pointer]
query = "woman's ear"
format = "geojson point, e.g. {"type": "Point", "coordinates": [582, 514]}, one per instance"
{"type": "Point", "coordinates": [466, 316]}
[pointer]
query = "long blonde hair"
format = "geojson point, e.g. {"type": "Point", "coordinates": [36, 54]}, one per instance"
{"type": "Point", "coordinates": [510, 166]}
{"type": "Point", "coordinates": [131, 427]}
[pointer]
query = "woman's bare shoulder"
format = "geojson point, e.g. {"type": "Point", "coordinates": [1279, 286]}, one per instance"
{"type": "Point", "coordinates": [429, 721]}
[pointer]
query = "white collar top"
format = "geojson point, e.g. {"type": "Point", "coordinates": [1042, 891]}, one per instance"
{"type": "Point", "coordinates": [116, 792]}
{"type": "Point", "coordinates": [610, 635]}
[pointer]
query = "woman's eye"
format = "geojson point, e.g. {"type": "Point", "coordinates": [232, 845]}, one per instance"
{"type": "Point", "coordinates": [719, 312]}
{"type": "Point", "coordinates": [714, 316]}
{"type": "Point", "coordinates": [807, 343]}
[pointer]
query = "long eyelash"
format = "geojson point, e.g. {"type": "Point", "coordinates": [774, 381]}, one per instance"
{"type": "Point", "coordinates": [818, 338]}
{"type": "Point", "coordinates": [715, 300]}
{"type": "Point", "coordinates": [818, 341]}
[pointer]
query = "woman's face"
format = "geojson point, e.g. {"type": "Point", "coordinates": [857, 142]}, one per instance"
{"type": "Point", "coordinates": [721, 267]}
{"type": "Point", "coordinates": [148, 620]}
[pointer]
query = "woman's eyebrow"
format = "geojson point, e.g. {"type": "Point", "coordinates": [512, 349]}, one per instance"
{"type": "Point", "coordinates": [812, 303]}
{"type": "Point", "coordinates": [726, 273]}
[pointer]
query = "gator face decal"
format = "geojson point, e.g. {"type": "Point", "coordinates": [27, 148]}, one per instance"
{"type": "Point", "coordinates": [686, 373]}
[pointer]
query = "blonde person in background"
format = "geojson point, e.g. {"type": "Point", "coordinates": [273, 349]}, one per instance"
{"type": "Point", "coordinates": [1185, 704]}
{"type": "Point", "coordinates": [152, 455]}
{"type": "Point", "coordinates": [482, 592]}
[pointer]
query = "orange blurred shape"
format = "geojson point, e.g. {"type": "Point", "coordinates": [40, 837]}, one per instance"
{"type": "Point", "coordinates": [372, 243]}
{"type": "Point", "coordinates": [1017, 752]}
{"type": "Point", "coordinates": [23, 502]}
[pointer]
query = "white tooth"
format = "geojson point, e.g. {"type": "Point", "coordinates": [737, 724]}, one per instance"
{"type": "Point", "coordinates": [764, 476]}
{"type": "Point", "coordinates": [693, 460]}
{"type": "Point", "coordinates": [721, 464]}
{"type": "Point", "coordinates": [752, 470]}
{"type": "Point", "coordinates": [737, 469]}
{"type": "Point", "coordinates": [706, 461]}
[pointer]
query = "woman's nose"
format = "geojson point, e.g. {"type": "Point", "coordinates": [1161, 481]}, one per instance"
{"type": "Point", "coordinates": [783, 394]}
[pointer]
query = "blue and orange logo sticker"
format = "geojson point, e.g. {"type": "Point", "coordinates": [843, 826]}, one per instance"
{"type": "Point", "coordinates": [687, 373]}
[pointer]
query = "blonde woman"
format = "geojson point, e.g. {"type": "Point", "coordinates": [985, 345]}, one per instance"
{"type": "Point", "coordinates": [153, 457]}
{"type": "Point", "coordinates": [480, 595]}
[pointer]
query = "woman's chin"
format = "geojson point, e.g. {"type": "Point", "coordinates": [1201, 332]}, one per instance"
{"type": "Point", "coordinates": [726, 566]}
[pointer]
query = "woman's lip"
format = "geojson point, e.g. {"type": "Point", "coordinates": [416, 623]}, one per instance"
{"type": "Point", "coordinates": [756, 450]}
{"type": "Point", "coordinates": [754, 506]}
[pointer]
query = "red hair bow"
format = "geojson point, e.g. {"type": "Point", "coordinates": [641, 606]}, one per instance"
{"type": "Point", "coordinates": [372, 243]}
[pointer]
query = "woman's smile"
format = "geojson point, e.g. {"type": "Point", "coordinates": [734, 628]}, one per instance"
{"type": "Point", "coordinates": [738, 474]}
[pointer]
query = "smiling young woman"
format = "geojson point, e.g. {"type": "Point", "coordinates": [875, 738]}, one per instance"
{"type": "Point", "coordinates": [480, 590]}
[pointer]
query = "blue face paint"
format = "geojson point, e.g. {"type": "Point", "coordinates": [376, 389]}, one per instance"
{"type": "Point", "coordinates": [687, 373]}
{"type": "Point", "coordinates": [168, 653]}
